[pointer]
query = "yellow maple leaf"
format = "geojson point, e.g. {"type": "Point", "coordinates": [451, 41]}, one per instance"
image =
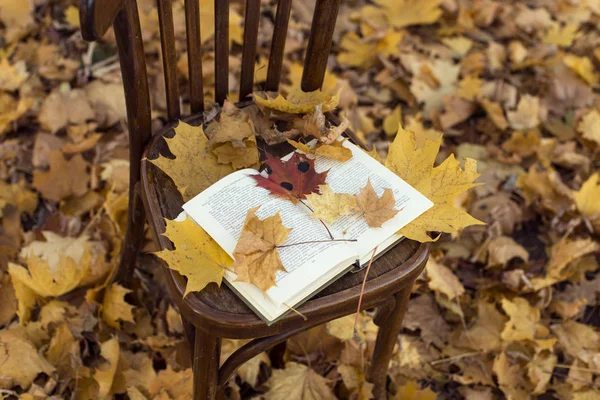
{"type": "Point", "coordinates": [589, 126]}
{"type": "Point", "coordinates": [46, 281]}
{"type": "Point", "coordinates": [105, 373]}
{"type": "Point", "coordinates": [392, 121]}
{"type": "Point", "coordinates": [442, 184]}
{"type": "Point", "coordinates": [375, 209]}
{"type": "Point", "coordinates": [196, 256]}
{"type": "Point", "coordinates": [297, 381]}
{"type": "Point", "coordinates": [329, 205]}
{"type": "Point", "coordinates": [297, 101]}
{"type": "Point", "coordinates": [114, 306]}
{"type": "Point", "coordinates": [256, 253]}
{"type": "Point", "coordinates": [363, 52]}
{"type": "Point", "coordinates": [412, 391]}
{"type": "Point", "coordinates": [195, 167]}
{"type": "Point", "coordinates": [588, 195]}
{"type": "Point", "coordinates": [583, 67]}
{"type": "Point", "coordinates": [403, 13]}
{"type": "Point", "coordinates": [21, 363]}
{"type": "Point", "coordinates": [561, 37]}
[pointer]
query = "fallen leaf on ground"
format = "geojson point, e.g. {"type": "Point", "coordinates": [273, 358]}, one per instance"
{"type": "Point", "coordinates": [442, 279]}
{"type": "Point", "coordinates": [376, 210]}
{"type": "Point", "coordinates": [292, 179]}
{"type": "Point", "coordinates": [297, 381]}
{"type": "Point", "coordinates": [589, 127]}
{"type": "Point", "coordinates": [403, 13]}
{"type": "Point", "coordinates": [196, 255]}
{"type": "Point", "coordinates": [412, 391]}
{"type": "Point", "coordinates": [114, 306]}
{"type": "Point", "coordinates": [583, 67]}
{"type": "Point", "coordinates": [297, 101]}
{"type": "Point", "coordinates": [587, 196]}
{"type": "Point", "coordinates": [56, 184]}
{"type": "Point", "coordinates": [256, 253]}
{"type": "Point", "coordinates": [329, 205]}
{"type": "Point", "coordinates": [105, 374]}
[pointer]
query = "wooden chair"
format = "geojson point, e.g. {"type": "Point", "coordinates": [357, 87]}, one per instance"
{"type": "Point", "coordinates": [216, 313]}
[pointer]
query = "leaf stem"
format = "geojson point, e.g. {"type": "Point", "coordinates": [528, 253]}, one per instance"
{"type": "Point", "coordinates": [362, 291]}
{"type": "Point", "coordinates": [323, 222]}
{"type": "Point", "coordinates": [315, 241]}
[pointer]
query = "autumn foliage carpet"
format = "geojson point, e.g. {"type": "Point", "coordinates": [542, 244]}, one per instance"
{"type": "Point", "coordinates": [509, 309]}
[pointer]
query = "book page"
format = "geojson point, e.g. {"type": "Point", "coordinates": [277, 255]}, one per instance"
{"type": "Point", "coordinates": [350, 177]}
{"type": "Point", "coordinates": [221, 210]}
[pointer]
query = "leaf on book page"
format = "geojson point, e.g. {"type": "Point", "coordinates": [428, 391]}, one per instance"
{"type": "Point", "coordinates": [196, 256]}
{"type": "Point", "coordinates": [194, 167]}
{"type": "Point", "coordinates": [412, 158]}
{"type": "Point", "coordinates": [293, 179]}
{"type": "Point", "coordinates": [296, 102]}
{"type": "Point", "coordinates": [376, 209]}
{"type": "Point", "coordinates": [256, 253]}
{"type": "Point", "coordinates": [335, 151]}
{"type": "Point", "coordinates": [329, 205]}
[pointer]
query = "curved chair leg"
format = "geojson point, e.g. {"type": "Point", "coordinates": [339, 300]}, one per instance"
{"type": "Point", "coordinates": [207, 350]}
{"type": "Point", "coordinates": [386, 339]}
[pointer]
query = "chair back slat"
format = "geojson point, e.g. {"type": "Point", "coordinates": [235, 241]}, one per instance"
{"type": "Point", "coordinates": [319, 44]}
{"type": "Point", "coordinates": [221, 50]}
{"type": "Point", "coordinates": [169, 56]}
{"type": "Point", "coordinates": [280, 29]}
{"type": "Point", "coordinates": [251, 21]}
{"type": "Point", "coordinates": [194, 42]}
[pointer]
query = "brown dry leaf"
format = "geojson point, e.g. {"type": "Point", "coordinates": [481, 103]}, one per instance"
{"type": "Point", "coordinates": [423, 314]}
{"type": "Point", "coordinates": [587, 196]}
{"type": "Point", "coordinates": [583, 67]}
{"type": "Point", "coordinates": [503, 249]}
{"type": "Point", "coordinates": [64, 106]}
{"type": "Point", "coordinates": [108, 102]}
{"type": "Point", "coordinates": [12, 76]}
{"type": "Point", "coordinates": [527, 114]}
{"type": "Point", "coordinates": [256, 253]}
{"type": "Point", "coordinates": [589, 127]}
{"type": "Point", "coordinates": [456, 110]}
{"type": "Point", "coordinates": [11, 110]}
{"type": "Point", "coordinates": [297, 381]}
{"type": "Point", "coordinates": [523, 144]}
{"type": "Point", "coordinates": [539, 370]}
{"type": "Point", "coordinates": [21, 362]}
{"type": "Point", "coordinates": [485, 333]}
{"type": "Point", "coordinates": [8, 299]}
{"type": "Point", "coordinates": [64, 178]}
{"type": "Point", "coordinates": [403, 13]}
{"type": "Point", "coordinates": [196, 255]}
{"type": "Point", "coordinates": [376, 210]}
{"type": "Point", "coordinates": [443, 280]}
{"type": "Point", "coordinates": [171, 385]}
{"type": "Point", "coordinates": [579, 341]}
{"type": "Point", "coordinates": [524, 320]}
{"type": "Point", "coordinates": [249, 370]}
{"type": "Point", "coordinates": [562, 254]}
{"type": "Point", "coordinates": [297, 101]}
{"type": "Point", "coordinates": [17, 18]}
{"type": "Point", "coordinates": [495, 112]}
{"type": "Point", "coordinates": [18, 195]}
{"type": "Point", "coordinates": [329, 205]}
{"type": "Point", "coordinates": [335, 151]}
{"type": "Point", "coordinates": [114, 306]}
{"type": "Point", "coordinates": [195, 167]}
{"type": "Point", "coordinates": [356, 382]}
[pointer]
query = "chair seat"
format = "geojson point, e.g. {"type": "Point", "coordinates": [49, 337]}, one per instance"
{"type": "Point", "coordinates": [221, 312]}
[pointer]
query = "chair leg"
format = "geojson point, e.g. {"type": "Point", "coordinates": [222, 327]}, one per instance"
{"type": "Point", "coordinates": [207, 350]}
{"type": "Point", "coordinates": [386, 339]}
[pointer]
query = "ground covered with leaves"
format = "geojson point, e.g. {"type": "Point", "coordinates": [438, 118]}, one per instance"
{"type": "Point", "coordinates": [508, 309]}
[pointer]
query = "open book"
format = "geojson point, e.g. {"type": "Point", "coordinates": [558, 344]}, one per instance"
{"type": "Point", "coordinates": [221, 210]}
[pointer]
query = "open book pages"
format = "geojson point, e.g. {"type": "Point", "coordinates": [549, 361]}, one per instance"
{"type": "Point", "coordinates": [221, 210]}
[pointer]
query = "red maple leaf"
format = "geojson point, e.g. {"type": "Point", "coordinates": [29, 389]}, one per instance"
{"type": "Point", "coordinates": [293, 179]}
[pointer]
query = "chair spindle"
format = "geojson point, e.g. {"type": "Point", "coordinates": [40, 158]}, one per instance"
{"type": "Point", "coordinates": [280, 29]}
{"type": "Point", "coordinates": [319, 44]}
{"type": "Point", "coordinates": [169, 56]}
{"type": "Point", "coordinates": [194, 43]}
{"type": "Point", "coordinates": [221, 50]}
{"type": "Point", "coordinates": [249, 48]}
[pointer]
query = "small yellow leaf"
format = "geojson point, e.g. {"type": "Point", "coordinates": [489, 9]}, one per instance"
{"type": "Point", "coordinates": [460, 44]}
{"type": "Point", "coordinates": [114, 306]}
{"type": "Point", "coordinates": [256, 253]}
{"type": "Point", "coordinates": [196, 256]}
{"type": "Point", "coordinates": [470, 88]}
{"type": "Point", "coordinates": [72, 16]}
{"type": "Point", "coordinates": [21, 362]}
{"type": "Point", "coordinates": [195, 167]}
{"type": "Point", "coordinates": [587, 197]}
{"type": "Point", "coordinates": [583, 67]}
{"type": "Point", "coordinates": [523, 144]}
{"type": "Point", "coordinates": [376, 210]}
{"type": "Point", "coordinates": [363, 52]}
{"type": "Point", "coordinates": [412, 391]}
{"type": "Point", "coordinates": [589, 126]}
{"type": "Point", "coordinates": [561, 37]}
{"type": "Point", "coordinates": [495, 112]}
{"type": "Point", "coordinates": [297, 101]}
{"type": "Point", "coordinates": [329, 206]}
{"type": "Point", "coordinates": [524, 319]}
{"type": "Point", "coordinates": [393, 121]}
{"type": "Point", "coordinates": [403, 13]}
{"type": "Point", "coordinates": [105, 373]}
